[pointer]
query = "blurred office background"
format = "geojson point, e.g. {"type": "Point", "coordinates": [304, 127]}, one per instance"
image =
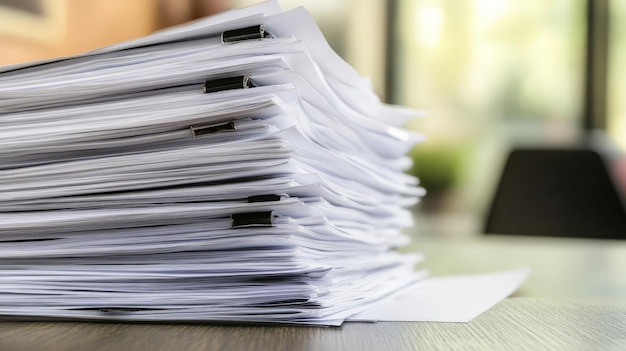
{"type": "Point", "coordinates": [491, 74]}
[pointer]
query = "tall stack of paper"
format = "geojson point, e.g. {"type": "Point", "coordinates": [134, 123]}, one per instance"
{"type": "Point", "coordinates": [234, 169]}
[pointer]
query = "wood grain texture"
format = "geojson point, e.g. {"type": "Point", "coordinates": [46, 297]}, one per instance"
{"type": "Point", "coordinates": [514, 324]}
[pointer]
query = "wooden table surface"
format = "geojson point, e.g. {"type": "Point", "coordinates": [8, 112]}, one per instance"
{"type": "Point", "coordinates": [514, 324]}
{"type": "Point", "coordinates": [575, 299]}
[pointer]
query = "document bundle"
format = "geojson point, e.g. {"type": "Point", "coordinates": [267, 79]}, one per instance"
{"type": "Point", "coordinates": [234, 169]}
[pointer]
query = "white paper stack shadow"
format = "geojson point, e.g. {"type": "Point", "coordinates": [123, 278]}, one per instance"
{"type": "Point", "coordinates": [234, 169]}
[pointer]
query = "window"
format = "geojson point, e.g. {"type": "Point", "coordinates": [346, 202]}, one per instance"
{"type": "Point", "coordinates": [490, 74]}
{"type": "Point", "coordinates": [616, 109]}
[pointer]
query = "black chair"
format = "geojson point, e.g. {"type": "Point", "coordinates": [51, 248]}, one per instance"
{"type": "Point", "coordinates": [557, 192]}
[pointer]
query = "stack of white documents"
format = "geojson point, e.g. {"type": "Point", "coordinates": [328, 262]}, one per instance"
{"type": "Point", "coordinates": [234, 169]}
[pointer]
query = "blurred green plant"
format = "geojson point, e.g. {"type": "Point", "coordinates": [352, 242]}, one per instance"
{"type": "Point", "coordinates": [439, 167]}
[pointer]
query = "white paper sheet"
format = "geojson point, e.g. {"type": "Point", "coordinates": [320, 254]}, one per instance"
{"type": "Point", "coordinates": [447, 299]}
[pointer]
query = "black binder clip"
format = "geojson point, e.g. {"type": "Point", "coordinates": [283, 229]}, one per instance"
{"type": "Point", "coordinates": [264, 198]}
{"type": "Point", "coordinates": [119, 310]}
{"type": "Point", "coordinates": [113, 309]}
{"type": "Point", "coordinates": [252, 219]}
{"type": "Point", "coordinates": [249, 33]}
{"type": "Point", "coordinates": [213, 128]}
{"type": "Point", "coordinates": [239, 82]}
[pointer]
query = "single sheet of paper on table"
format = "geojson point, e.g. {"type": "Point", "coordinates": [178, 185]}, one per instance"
{"type": "Point", "coordinates": [447, 299]}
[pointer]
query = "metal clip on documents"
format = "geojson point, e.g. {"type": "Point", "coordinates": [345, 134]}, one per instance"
{"type": "Point", "coordinates": [249, 33]}
{"type": "Point", "coordinates": [264, 198]}
{"type": "Point", "coordinates": [239, 82]}
{"type": "Point", "coordinates": [252, 219]}
{"type": "Point", "coordinates": [197, 131]}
